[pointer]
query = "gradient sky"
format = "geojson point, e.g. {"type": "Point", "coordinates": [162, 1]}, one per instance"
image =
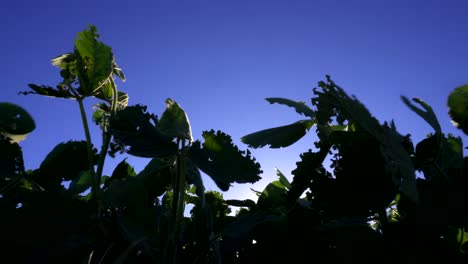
{"type": "Point", "coordinates": [220, 59]}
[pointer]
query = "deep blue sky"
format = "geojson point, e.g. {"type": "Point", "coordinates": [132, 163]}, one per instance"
{"type": "Point", "coordinates": [220, 59]}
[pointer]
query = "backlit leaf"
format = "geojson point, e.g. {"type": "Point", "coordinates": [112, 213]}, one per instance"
{"type": "Point", "coordinates": [428, 115]}
{"type": "Point", "coordinates": [223, 161]}
{"type": "Point", "coordinates": [95, 60]}
{"type": "Point", "coordinates": [174, 121]}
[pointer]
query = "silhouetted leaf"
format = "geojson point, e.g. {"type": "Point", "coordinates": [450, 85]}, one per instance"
{"type": "Point", "coordinates": [458, 107]}
{"type": "Point", "coordinates": [156, 175]}
{"type": "Point", "coordinates": [174, 122]}
{"type": "Point", "coordinates": [15, 122]}
{"type": "Point", "coordinates": [81, 184]}
{"type": "Point", "coordinates": [333, 103]}
{"type": "Point", "coordinates": [223, 161]}
{"type": "Point", "coordinates": [44, 90]}
{"type": "Point", "coordinates": [278, 137]}
{"type": "Point", "coordinates": [428, 115]}
{"type": "Point", "coordinates": [11, 159]}
{"type": "Point", "coordinates": [67, 160]}
{"type": "Point", "coordinates": [123, 171]}
{"type": "Point", "coordinates": [132, 127]}
{"type": "Point", "coordinates": [300, 107]}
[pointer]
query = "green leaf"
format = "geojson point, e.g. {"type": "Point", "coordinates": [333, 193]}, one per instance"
{"type": "Point", "coordinates": [81, 184]}
{"type": "Point", "coordinates": [428, 115]}
{"type": "Point", "coordinates": [64, 61]}
{"type": "Point", "coordinates": [67, 160]}
{"type": "Point", "coordinates": [60, 92]}
{"type": "Point", "coordinates": [273, 196]}
{"type": "Point", "coordinates": [278, 137]}
{"type": "Point", "coordinates": [334, 105]}
{"type": "Point", "coordinates": [223, 161]}
{"type": "Point", "coordinates": [11, 159]}
{"type": "Point", "coordinates": [15, 122]}
{"type": "Point", "coordinates": [156, 176]}
{"type": "Point", "coordinates": [300, 107]}
{"type": "Point", "coordinates": [123, 171]}
{"type": "Point", "coordinates": [131, 126]}
{"type": "Point", "coordinates": [174, 121]}
{"type": "Point", "coordinates": [95, 59]}
{"type": "Point", "coordinates": [458, 107]}
{"type": "Point", "coordinates": [282, 179]}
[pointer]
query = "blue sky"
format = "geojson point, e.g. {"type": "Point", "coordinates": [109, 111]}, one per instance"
{"type": "Point", "coordinates": [220, 59]}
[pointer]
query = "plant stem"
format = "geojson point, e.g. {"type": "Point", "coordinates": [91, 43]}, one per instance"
{"type": "Point", "coordinates": [177, 204]}
{"type": "Point", "coordinates": [106, 136]}
{"type": "Point", "coordinates": [95, 186]}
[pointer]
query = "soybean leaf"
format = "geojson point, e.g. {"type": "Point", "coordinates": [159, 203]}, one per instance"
{"type": "Point", "coordinates": [67, 160]}
{"type": "Point", "coordinates": [15, 122]}
{"type": "Point", "coordinates": [81, 184]}
{"type": "Point", "coordinates": [131, 126]}
{"type": "Point", "coordinates": [458, 107]}
{"type": "Point", "coordinates": [156, 176]}
{"type": "Point", "coordinates": [174, 121]}
{"type": "Point", "coordinates": [282, 179]}
{"type": "Point", "coordinates": [428, 115]}
{"type": "Point", "coordinates": [273, 196]}
{"type": "Point", "coordinates": [300, 107]}
{"type": "Point", "coordinates": [223, 161]}
{"type": "Point", "coordinates": [123, 171]}
{"type": "Point", "coordinates": [278, 137]}
{"type": "Point", "coordinates": [60, 92]}
{"type": "Point", "coordinates": [95, 60]}
{"type": "Point", "coordinates": [11, 158]}
{"type": "Point", "coordinates": [333, 103]}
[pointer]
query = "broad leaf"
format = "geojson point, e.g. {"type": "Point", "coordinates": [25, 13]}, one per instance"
{"type": "Point", "coordinates": [156, 176]}
{"type": "Point", "coordinates": [95, 60]}
{"type": "Point", "coordinates": [81, 184]}
{"type": "Point", "coordinates": [334, 104]}
{"type": "Point", "coordinates": [300, 107]}
{"type": "Point", "coordinates": [174, 122]}
{"type": "Point", "coordinates": [282, 179]}
{"type": "Point", "coordinates": [132, 127]}
{"type": "Point", "coordinates": [458, 107]}
{"type": "Point", "coordinates": [11, 159]}
{"type": "Point", "coordinates": [123, 171]}
{"type": "Point", "coordinates": [67, 160]}
{"type": "Point", "coordinates": [223, 161]}
{"type": "Point", "coordinates": [15, 122]}
{"type": "Point", "coordinates": [273, 196]}
{"type": "Point", "coordinates": [278, 137]}
{"type": "Point", "coordinates": [428, 115]}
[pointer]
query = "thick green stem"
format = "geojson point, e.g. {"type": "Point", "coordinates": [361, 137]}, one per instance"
{"type": "Point", "coordinates": [95, 186]}
{"type": "Point", "coordinates": [177, 210]}
{"type": "Point", "coordinates": [106, 136]}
